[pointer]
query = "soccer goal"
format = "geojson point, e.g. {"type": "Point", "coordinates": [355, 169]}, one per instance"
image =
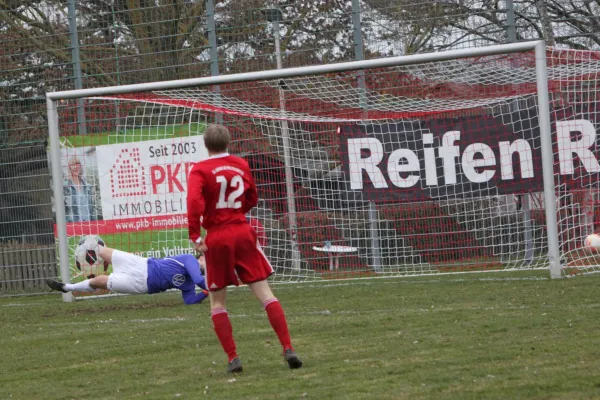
{"type": "Point", "coordinates": [462, 161]}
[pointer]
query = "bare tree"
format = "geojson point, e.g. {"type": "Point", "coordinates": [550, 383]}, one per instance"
{"type": "Point", "coordinates": [444, 24]}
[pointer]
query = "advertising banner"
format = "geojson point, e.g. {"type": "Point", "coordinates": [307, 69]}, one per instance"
{"type": "Point", "coordinates": [481, 155]}
{"type": "Point", "coordinates": [147, 180]}
{"type": "Point", "coordinates": [131, 194]}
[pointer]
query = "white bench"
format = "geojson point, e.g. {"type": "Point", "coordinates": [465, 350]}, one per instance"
{"type": "Point", "coordinates": [335, 252]}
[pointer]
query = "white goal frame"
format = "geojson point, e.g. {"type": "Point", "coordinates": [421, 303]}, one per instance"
{"type": "Point", "coordinates": [539, 47]}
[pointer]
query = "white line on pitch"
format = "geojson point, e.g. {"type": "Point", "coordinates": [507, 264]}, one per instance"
{"type": "Point", "coordinates": [368, 281]}
{"type": "Point", "coordinates": [115, 321]}
{"type": "Point", "coordinates": [418, 310]}
{"type": "Point", "coordinates": [392, 281]}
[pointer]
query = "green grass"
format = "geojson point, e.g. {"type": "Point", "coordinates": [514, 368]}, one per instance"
{"type": "Point", "coordinates": [135, 135]}
{"type": "Point", "coordinates": [490, 336]}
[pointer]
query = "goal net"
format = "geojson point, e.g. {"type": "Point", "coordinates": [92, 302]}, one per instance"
{"type": "Point", "coordinates": [426, 168]}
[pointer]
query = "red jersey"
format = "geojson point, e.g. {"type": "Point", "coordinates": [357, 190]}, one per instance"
{"type": "Point", "coordinates": [221, 190]}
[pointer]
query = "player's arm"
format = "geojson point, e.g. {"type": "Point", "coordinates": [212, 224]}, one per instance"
{"type": "Point", "coordinates": [195, 203]}
{"type": "Point", "coordinates": [194, 272]}
{"type": "Point", "coordinates": [191, 297]}
{"type": "Point", "coordinates": [251, 194]}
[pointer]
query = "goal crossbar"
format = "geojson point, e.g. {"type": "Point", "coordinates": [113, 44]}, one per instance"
{"type": "Point", "coordinates": [301, 71]}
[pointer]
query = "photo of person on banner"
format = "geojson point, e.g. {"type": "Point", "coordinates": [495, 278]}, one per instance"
{"type": "Point", "coordinates": [79, 198]}
{"type": "Point", "coordinates": [80, 184]}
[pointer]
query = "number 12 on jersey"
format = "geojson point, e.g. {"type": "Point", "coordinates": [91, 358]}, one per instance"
{"type": "Point", "coordinates": [236, 183]}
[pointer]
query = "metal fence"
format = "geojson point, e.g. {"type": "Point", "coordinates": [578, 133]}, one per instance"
{"type": "Point", "coordinates": [63, 44]}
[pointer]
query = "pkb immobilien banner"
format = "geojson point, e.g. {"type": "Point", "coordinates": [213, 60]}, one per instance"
{"type": "Point", "coordinates": [144, 184]}
{"type": "Point", "coordinates": [132, 194]}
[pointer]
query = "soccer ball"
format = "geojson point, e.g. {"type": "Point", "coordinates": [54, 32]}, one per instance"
{"type": "Point", "coordinates": [87, 259]}
{"type": "Point", "coordinates": [592, 242]}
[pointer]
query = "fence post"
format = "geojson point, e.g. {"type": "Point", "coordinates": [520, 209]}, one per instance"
{"type": "Point", "coordinates": [76, 60]}
{"type": "Point", "coordinates": [214, 54]}
{"type": "Point", "coordinates": [274, 16]}
{"type": "Point", "coordinates": [510, 22]}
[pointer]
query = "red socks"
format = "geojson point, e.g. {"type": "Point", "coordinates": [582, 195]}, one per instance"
{"type": "Point", "coordinates": [278, 322]}
{"type": "Point", "coordinates": [224, 331]}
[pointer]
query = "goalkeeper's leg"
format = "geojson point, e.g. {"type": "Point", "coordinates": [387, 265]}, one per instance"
{"type": "Point", "coordinates": [106, 253]}
{"type": "Point", "coordinates": [129, 275]}
{"type": "Point", "coordinates": [89, 285]}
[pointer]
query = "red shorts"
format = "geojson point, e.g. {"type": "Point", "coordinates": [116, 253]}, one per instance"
{"type": "Point", "coordinates": [233, 254]}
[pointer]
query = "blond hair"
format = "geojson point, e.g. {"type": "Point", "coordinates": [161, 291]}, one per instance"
{"type": "Point", "coordinates": [216, 138]}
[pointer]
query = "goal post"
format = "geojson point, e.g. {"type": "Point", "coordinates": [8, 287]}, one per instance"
{"type": "Point", "coordinates": [371, 176]}
{"type": "Point", "coordinates": [547, 158]}
{"type": "Point", "coordinates": [57, 191]}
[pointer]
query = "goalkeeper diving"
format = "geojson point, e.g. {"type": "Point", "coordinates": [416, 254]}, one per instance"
{"type": "Point", "coordinates": [133, 274]}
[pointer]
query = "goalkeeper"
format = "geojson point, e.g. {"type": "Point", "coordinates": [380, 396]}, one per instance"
{"type": "Point", "coordinates": [138, 275]}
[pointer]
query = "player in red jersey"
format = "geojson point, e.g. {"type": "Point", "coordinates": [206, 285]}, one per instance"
{"type": "Point", "coordinates": [221, 191]}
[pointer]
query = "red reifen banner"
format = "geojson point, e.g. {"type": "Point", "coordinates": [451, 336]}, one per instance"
{"type": "Point", "coordinates": [475, 155]}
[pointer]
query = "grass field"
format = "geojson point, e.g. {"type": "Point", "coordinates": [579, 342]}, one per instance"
{"type": "Point", "coordinates": [486, 336]}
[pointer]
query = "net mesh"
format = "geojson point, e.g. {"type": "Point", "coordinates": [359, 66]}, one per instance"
{"type": "Point", "coordinates": [420, 169]}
